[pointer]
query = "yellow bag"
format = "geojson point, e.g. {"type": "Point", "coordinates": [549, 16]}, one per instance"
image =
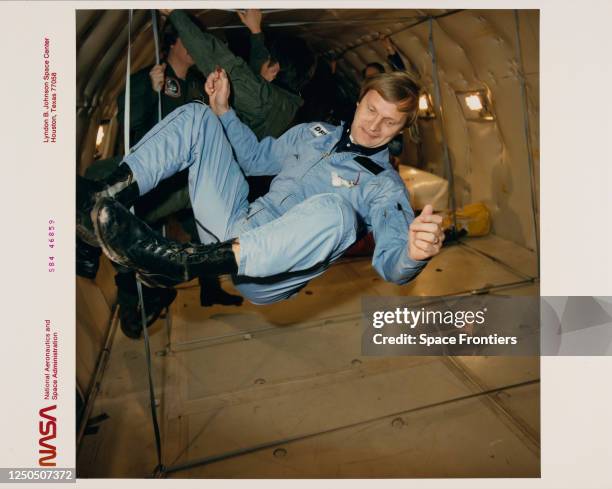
{"type": "Point", "coordinates": [474, 218]}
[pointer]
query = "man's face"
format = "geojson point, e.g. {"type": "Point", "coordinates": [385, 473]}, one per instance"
{"type": "Point", "coordinates": [376, 121]}
{"type": "Point", "coordinates": [179, 50]}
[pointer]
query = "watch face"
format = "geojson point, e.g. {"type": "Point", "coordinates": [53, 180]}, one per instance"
{"type": "Point", "coordinates": [172, 88]}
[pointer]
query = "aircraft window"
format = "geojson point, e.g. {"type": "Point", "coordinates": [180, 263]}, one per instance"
{"type": "Point", "coordinates": [475, 105]}
{"type": "Point", "coordinates": [426, 107]}
{"type": "Point", "coordinates": [100, 136]}
{"type": "Point", "coordinates": [473, 102]}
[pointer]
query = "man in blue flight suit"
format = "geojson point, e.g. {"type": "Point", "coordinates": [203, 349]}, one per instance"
{"type": "Point", "coordinates": [331, 184]}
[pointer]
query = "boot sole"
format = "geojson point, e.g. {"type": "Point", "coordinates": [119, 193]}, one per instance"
{"type": "Point", "coordinates": [85, 235]}
{"type": "Point", "coordinates": [150, 281]}
{"type": "Point", "coordinates": [108, 251]}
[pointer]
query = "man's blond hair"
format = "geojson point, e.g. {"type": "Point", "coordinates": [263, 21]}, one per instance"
{"type": "Point", "coordinates": [398, 88]}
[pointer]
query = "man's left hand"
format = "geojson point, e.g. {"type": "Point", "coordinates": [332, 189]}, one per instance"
{"type": "Point", "coordinates": [217, 88]}
{"type": "Point", "coordinates": [425, 235]}
{"type": "Point", "coordinates": [269, 70]}
{"type": "Point", "coordinates": [165, 11]}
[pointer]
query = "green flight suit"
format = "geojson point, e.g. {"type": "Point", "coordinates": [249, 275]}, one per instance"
{"type": "Point", "coordinates": [259, 53]}
{"type": "Point", "coordinates": [265, 107]}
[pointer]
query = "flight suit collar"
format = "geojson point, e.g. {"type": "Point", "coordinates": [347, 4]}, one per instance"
{"type": "Point", "coordinates": [333, 138]}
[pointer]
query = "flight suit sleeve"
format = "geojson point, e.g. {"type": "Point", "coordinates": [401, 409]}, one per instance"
{"type": "Point", "coordinates": [250, 92]}
{"type": "Point", "coordinates": [259, 52]}
{"type": "Point", "coordinates": [389, 217]}
{"type": "Point", "coordinates": [265, 157]}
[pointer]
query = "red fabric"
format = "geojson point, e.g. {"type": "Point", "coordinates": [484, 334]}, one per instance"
{"type": "Point", "coordinates": [363, 247]}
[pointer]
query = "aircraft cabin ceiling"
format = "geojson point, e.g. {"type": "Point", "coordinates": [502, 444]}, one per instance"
{"type": "Point", "coordinates": [491, 53]}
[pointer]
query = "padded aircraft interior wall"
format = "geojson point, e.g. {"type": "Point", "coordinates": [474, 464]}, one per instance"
{"type": "Point", "coordinates": [496, 52]}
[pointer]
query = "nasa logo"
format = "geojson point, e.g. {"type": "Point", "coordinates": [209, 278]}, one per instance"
{"type": "Point", "coordinates": [318, 130]}
{"type": "Point", "coordinates": [172, 87]}
{"type": "Point", "coordinates": [47, 429]}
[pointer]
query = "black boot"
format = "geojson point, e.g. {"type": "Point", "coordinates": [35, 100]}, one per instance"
{"type": "Point", "coordinates": [158, 262]}
{"type": "Point", "coordinates": [211, 293]}
{"type": "Point", "coordinates": [87, 259]}
{"type": "Point", "coordinates": [119, 185]}
{"type": "Point", "coordinates": [130, 315]}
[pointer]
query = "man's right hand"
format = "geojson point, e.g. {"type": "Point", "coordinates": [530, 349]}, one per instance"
{"type": "Point", "coordinates": [217, 88]}
{"type": "Point", "coordinates": [252, 19]}
{"type": "Point", "coordinates": [158, 77]}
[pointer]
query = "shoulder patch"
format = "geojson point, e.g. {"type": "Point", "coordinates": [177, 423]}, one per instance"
{"type": "Point", "coordinates": [172, 88]}
{"type": "Point", "coordinates": [318, 130]}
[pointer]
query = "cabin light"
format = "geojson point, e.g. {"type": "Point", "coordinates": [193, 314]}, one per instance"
{"type": "Point", "coordinates": [423, 103]}
{"type": "Point", "coordinates": [100, 135]}
{"type": "Point", "coordinates": [476, 105]}
{"type": "Point", "coordinates": [426, 107]}
{"type": "Point", "coordinates": [473, 102]}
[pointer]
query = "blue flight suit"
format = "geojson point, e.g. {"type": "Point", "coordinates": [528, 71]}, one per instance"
{"type": "Point", "coordinates": [318, 202]}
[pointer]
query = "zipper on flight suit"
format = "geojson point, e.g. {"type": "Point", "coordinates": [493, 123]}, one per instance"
{"type": "Point", "coordinates": [323, 156]}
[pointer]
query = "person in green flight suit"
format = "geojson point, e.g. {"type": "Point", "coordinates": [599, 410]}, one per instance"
{"type": "Point", "coordinates": [267, 108]}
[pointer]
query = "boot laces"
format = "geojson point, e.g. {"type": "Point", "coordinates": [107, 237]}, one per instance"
{"type": "Point", "coordinates": [164, 248]}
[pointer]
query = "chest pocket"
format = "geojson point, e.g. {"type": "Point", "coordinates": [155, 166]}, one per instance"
{"type": "Point", "coordinates": [358, 171]}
